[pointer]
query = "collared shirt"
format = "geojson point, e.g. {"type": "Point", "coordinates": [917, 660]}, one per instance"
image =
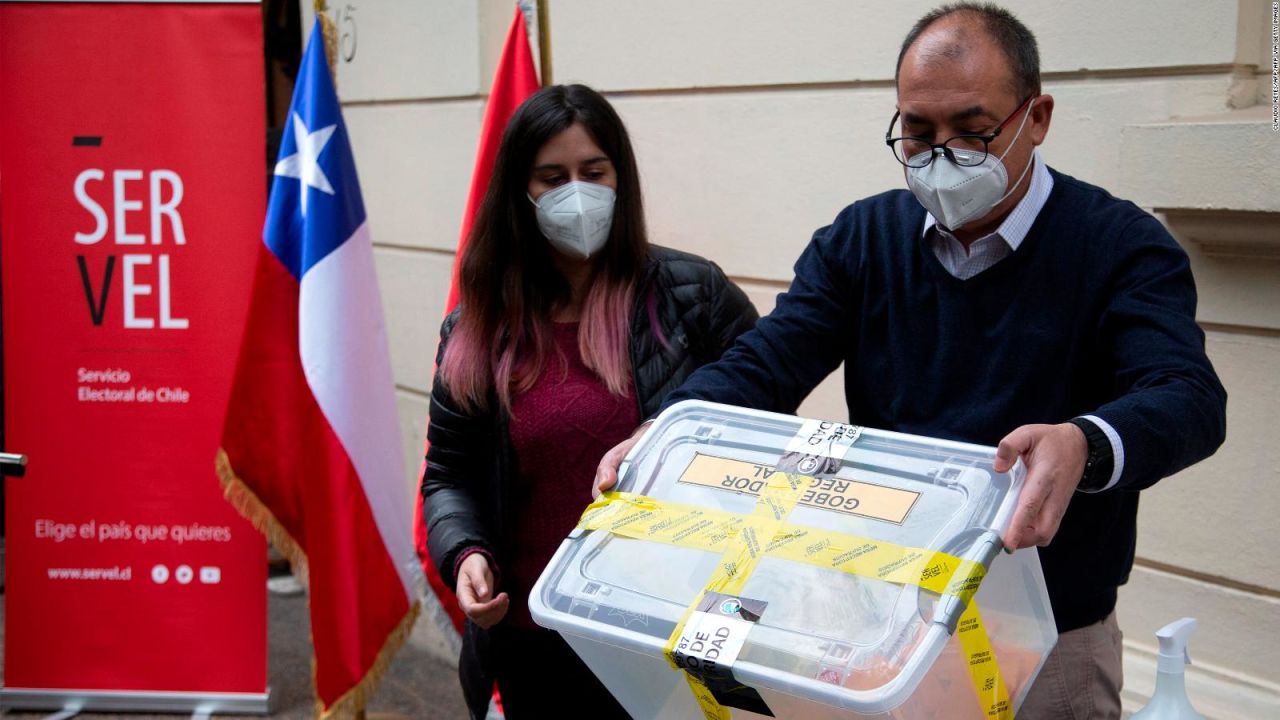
{"type": "Point", "coordinates": [990, 249]}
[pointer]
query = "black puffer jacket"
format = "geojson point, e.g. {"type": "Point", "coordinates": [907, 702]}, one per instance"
{"type": "Point", "coordinates": [470, 462]}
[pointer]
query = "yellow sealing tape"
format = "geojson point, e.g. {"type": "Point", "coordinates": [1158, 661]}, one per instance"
{"type": "Point", "coordinates": [744, 545]}
{"type": "Point", "coordinates": [644, 518]}
{"type": "Point", "coordinates": [742, 540]}
{"type": "Point", "coordinates": [984, 670]}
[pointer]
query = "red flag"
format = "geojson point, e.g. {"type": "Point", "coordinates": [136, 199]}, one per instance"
{"type": "Point", "coordinates": [310, 449]}
{"type": "Point", "coordinates": [514, 81]}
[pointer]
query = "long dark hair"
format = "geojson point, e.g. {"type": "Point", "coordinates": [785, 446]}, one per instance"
{"type": "Point", "coordinates": [508, 281]}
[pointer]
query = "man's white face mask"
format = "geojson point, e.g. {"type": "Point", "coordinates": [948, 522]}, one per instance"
{"type": "Point", "coordinates": [956, 195]}
{"type": "Point", "coordinates": [576, 217]}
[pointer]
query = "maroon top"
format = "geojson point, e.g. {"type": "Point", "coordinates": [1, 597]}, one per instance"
{"type": "Point", "coordinates": [560, 428]}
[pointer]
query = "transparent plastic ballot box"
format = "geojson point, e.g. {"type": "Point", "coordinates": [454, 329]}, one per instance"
{"type": "Point", "coordinates": [827, 644]}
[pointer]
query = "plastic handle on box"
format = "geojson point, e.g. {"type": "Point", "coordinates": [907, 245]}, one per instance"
{"type": "Point", "coordinates": [1018, 474]}
{"type": "Point", "coordinates": [951, 607]}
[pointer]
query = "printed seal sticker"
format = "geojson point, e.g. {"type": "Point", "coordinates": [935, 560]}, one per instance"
{"type": "Point", "coordinates": [710, 642]}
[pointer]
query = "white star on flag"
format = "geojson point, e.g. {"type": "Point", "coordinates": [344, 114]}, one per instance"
{"type": "Point", "coordinates": [305, 163]}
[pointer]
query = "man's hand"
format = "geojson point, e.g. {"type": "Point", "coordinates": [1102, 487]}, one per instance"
{"type": "Point", "coordinates": [475, 584]}
{"type": "Point", "coordinates": [607, 471]}
{"type": "Point", "coordinates": [1055, 456]}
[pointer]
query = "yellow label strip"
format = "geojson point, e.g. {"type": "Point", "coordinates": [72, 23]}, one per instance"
{"type": "Point", "coordinates": [988, 682]}
{"type": "Point", "coordinates": [845, 496]}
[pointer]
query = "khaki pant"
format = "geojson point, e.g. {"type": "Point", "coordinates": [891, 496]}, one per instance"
{"type": "Point", "coordinates": [1082, 677]}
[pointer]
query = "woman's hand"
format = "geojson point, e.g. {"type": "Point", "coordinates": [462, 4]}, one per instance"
{"type": "Point", "coordinates": [607, 470]}
{"type": "Point", "coordinates": [475, 585]}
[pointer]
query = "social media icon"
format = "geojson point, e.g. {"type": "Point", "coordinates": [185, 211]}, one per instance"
{"type": "Point", "coordinates": [184, 574]}
{"type": "Point", "coordinates": [159, 574]}
{"type": "Point", "coordinates": [210, 575]}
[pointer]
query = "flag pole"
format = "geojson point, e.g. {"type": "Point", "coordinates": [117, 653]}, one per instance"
{"type": "Point", "coordinates": [330, 55]}
{"type": "Point", "coordinates": [544, 42]}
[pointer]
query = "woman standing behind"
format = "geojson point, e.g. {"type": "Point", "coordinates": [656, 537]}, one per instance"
{"type": "Point", "coordinates": [570, 331]}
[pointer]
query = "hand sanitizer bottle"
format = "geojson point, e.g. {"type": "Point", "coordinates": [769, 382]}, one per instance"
{"type": "Point", "coordinates": [1169, 701]}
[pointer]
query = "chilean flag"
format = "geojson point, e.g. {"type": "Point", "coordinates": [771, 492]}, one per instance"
{"type": "Point", "coordinates": [311, 449]}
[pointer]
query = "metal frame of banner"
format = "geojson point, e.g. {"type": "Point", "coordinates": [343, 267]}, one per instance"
{"type": "Point", "coordinates": [136, 2]}
{"type": "Point", "coordinates": [136, 701]}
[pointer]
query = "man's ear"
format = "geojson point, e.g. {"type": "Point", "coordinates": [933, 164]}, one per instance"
{"type": "Point", "coordinates": [1041, 115]}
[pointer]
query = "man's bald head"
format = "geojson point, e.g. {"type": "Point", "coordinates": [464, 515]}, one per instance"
{"type": "Point", "coordinates": [949, 33]}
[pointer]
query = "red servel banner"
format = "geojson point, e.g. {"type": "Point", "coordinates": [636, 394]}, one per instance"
{"type": "Point", "coordinates": [132, 192]}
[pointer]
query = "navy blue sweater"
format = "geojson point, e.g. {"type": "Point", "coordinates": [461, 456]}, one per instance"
{"type": "Point", "coordinates": [1093, 315]}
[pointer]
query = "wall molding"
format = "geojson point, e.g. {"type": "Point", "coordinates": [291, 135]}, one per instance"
{"type": "Point", "coordinates": [1227, 233]}
{"type": "Point", "coordinates": [1230, 233]}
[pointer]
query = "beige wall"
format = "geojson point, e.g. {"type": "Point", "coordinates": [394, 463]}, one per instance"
{"type": "Point", "coordinates": [756, 121]}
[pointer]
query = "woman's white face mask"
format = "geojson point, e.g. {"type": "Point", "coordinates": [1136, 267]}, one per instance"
{"type": "Point", "coordinates": [956, 195]}
{"type": "Point", "coordinates": [576, 217]}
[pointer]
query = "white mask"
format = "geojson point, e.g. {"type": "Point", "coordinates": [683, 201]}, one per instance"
{"type": "Point", "coordinates": [956, 195]}
{"type": "Point", "coordinates": [576, 217]}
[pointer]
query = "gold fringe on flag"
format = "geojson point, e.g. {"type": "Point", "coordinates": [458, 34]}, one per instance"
{"type": "Point", "coordinates": [250, 506]}
{"type": "Point", "coordinates": [330, 31]}
{"type": "Point", "coordinates": [355, 700]}
{"type": "Point", "coordinates": [247, 503]}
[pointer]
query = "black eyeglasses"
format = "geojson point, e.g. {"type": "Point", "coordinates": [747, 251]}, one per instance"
{"type": "Point", "coordinates": [963, 150]}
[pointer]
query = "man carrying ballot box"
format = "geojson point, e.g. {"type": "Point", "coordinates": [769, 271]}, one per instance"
{"type": "Point", "coordinates": [998, 301]}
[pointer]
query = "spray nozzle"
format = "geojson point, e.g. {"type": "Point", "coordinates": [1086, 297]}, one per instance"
{"type": "Point", "coordinates": [1173, 644]}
